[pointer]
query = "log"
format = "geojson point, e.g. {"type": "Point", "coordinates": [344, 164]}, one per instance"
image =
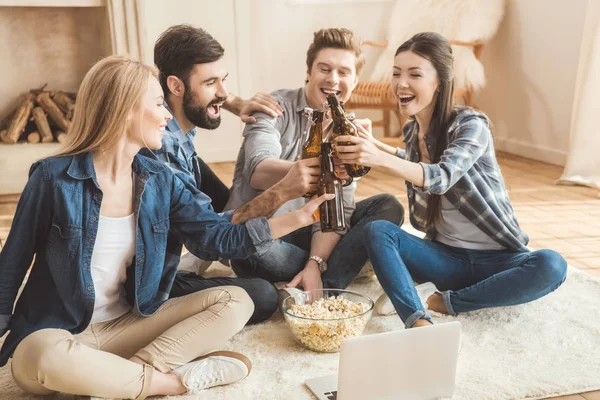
{"type": "Point", "coordinates": [6, 120]}
{"type": "Point", "coordinates": [40, 90]}
{"type": "Point", "coordinates": [39, 116]}
{"type": "Point", "coordinates": [19, 119]}
{"type": "Point", "coordinates": [60, 136]}
{"type": "Point", "coordinates": [53, 111]}
{"type": "Point", "coordinates": [3, 134]}
{"type": "Point", "coordinates": [64, 102]}
{"type": "Point", "coordinates": [33, 137]}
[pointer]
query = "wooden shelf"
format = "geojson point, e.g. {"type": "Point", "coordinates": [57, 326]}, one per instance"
{"type": "Point", "coordinates": [52, 3]}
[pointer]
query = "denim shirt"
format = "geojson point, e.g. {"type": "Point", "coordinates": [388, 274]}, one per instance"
{"type": "Point", "coordinates": [179, 153]}
{"type": "Point", "coordinates": [57, 221]}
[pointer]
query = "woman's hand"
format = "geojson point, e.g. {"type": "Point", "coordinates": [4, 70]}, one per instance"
{"type": "Point", "coordinates": [365, 129]}
{"type": "Point", "coordinates": [361, 151]}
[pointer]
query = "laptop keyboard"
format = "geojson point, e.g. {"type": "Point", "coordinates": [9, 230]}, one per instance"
{"type": "Point", "coordinates": [331, 395]}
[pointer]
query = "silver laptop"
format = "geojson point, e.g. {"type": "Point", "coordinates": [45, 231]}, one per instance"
{"type": "Point", "coordinates": [410, 364]}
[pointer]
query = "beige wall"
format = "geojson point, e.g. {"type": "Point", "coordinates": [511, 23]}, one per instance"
{"type": "Point", "coordinates": [530, 65]}
{"type": "Point", "coordinates": [280, 33]}
{"type": "Point", "coordinates": [218, 18]}
{"type": "Point", "coordinates": [531, 68]}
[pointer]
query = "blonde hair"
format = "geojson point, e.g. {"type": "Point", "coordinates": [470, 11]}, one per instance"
{"type": "Point", "coordinates": [335, 38]}
{"type": "Point", "coordinates": [110, 90]}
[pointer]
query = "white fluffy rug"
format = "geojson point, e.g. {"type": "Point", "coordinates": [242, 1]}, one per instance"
{"type": "Point", "coordinates": [546, 348]}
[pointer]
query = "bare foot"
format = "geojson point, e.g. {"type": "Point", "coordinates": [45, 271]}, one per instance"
{"type": "Point", "coordinates": [421, 322]}
{"type": "Point", "coordinates": [436, 303]}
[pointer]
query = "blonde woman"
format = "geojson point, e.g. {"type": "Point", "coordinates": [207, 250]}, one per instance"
{"type": "Point", "coordinates": [93, 318]}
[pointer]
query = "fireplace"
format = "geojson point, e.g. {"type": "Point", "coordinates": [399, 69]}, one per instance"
{"type": "Point", "coordinates": [53, 43]}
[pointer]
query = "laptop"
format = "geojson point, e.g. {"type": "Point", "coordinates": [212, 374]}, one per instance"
{"type": "Point", "coordinates": [410, 364]}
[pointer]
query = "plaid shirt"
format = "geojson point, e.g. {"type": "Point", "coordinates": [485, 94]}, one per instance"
{"type": "Point", "coordinates": [469, 176]}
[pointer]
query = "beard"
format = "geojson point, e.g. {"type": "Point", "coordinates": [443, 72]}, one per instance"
{"type": "Point", "coordinates": [199, 115]}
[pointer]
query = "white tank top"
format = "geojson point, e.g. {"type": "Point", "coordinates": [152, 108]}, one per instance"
{"type": "Point", "coordinates": [113, 253]}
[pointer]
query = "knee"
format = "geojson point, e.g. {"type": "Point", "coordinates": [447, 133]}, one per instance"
{"type": "Point", "coordinates": [390, 209]}
{"type": "Point", "coordinates": [552, 267]}
{"type": "Point", "coordinates": [40, 354]}
{"type": "Point", "coordinates": [376, 231]}
{"type": "Point", "coordinates": [264, 297]}
{"type": "Point", "coordinates": [240, 303]}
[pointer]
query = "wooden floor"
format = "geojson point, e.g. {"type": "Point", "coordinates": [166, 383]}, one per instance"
{"type": "Point", "coordinates": [562, 218]}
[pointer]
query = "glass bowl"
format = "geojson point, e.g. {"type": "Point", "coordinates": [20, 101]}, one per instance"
{"type": "Point", "coordinates": [321, 319]}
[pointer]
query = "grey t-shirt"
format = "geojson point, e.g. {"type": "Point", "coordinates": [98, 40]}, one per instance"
{"type": "Point", "coordinates": [281, 138]}
{"type": "Point", "coordinates": [454, 229]}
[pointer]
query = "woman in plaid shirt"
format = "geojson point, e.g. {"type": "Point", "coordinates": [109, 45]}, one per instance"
{"type": "Point", "coordinates": [474, 251]}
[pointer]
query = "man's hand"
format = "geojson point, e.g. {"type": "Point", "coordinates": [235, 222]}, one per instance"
{"type": "Point", "coordinates": [260, 102]}
{"type": "Point", "coordinates": [309, 278]}
{"type": "Point", "coordinates": [301, 178]}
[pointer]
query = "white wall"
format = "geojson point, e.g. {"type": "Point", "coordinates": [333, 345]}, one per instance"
{"type": "Point", "coordinates": [281, 31]}
{"type": "Point", "coordinates": [531, 67]}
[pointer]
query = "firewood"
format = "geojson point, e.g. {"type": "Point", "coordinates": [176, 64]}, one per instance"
{"type": "Point", "coordinates": [64, 102]}
{"type": "Point", "coordinates": [39, 116]}
{"type": "Point", "coordinates": [53, 111]}
{"type": "Point", "coordinates": [41, 90]}
{"type": "Point", "coordinates": [5, 122]}
{"type": "Point", "coordinates": [3, 135]}
{"type": "Point", "coordinates": [60, 136]}
{"type": "Point", "coordinates": [20, 119]}
{"type": "Point", "coordinates": [33, 137]}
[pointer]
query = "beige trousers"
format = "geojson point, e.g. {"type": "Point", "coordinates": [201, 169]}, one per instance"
{"type": "Point", "coordinates": [96, 361]}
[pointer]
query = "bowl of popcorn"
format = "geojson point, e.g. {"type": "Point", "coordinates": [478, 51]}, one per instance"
{"type": "Point", "coordinates": [321, 319]}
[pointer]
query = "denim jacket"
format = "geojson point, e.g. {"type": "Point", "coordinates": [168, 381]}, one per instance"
{"type": "Point", "coordinates": [57, 220]}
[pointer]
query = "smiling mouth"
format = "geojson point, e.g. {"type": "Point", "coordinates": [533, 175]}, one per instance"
{"type": "Point", "coordinates": [327, 92]}
{"type": "Point", "coordinates": [214, 110]}
{"type": "Point", "coordinates": [404, 100]}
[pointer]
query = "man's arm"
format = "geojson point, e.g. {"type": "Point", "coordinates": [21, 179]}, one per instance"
{"type": "Point", "coordinates": [322, 245]}
{"type": "Point", "coordinates": [260, 102]}
{"type": "Point", "coordinates": [268, 172]}
{"type": "Point", "coordinates": [295, 183]}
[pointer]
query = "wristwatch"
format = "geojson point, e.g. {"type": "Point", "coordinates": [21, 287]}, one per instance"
{"type": "Point", "coordinates": [320, 262]}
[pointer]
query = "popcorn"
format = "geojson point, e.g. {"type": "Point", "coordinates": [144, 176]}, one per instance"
{"type": "Point", "coordinates": [328, 322]}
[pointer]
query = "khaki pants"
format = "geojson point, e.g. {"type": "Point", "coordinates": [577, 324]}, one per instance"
{"type": "Point", "coordinates": [95, 362]}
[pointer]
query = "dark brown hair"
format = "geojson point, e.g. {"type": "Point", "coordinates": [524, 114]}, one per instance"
{"type": "Point", "coordinates": [335, 38]}
{"type": "Point", "coordinates": [436, 48]}
{"type": "Point", "coordinates": [179, 48]}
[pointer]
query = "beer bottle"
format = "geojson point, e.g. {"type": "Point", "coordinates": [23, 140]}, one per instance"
{"type": "Point", "coordinates": [343, 127]}
{"type": "Point", "coordinates": [331, 212]}
{"type": "Point", "coordinates": [312, 145]}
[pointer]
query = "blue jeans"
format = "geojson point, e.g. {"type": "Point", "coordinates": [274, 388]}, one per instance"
{"type": "Point", "coordinates": [262, 293]}
{"type": "Point", "coordinates": [282, 259]}
{"type": "Point", "coordinates": [469, 279]}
